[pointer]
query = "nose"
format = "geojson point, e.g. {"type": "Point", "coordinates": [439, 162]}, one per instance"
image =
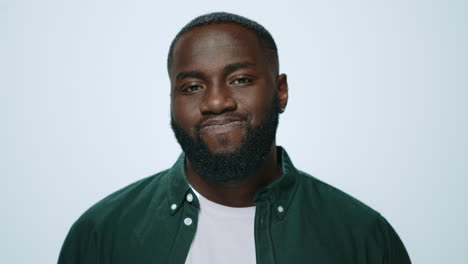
{"type": "Point", "coordinates": [217, 100]}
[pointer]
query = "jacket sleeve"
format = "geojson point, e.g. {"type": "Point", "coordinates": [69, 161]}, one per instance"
{"type": "Point", "coordinates": [385, 246]}
{"type": "Point", "coordinates": [80, 245]}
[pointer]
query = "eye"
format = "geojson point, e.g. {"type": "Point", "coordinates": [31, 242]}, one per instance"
{"type": "Point", "coordinates": [241, 81]}
{"type": "Point", "coordinates": [191, 88]}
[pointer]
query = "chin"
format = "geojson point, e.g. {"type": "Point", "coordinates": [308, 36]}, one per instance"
{"type": "Point", "coordinates": [225, 144]}
{"type": "Point", "coordinates": [225, 150]}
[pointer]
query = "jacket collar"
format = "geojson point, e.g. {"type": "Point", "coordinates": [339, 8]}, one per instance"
{"type": "Point", "coordinates": [178, 186]}
{"type": "Point", "coordinates": [279, 193]}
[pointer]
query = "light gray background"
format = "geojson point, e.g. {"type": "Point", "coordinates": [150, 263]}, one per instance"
{"type": "Point", "coordinates": [377, 108]}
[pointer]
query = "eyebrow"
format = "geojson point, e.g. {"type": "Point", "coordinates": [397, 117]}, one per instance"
{"type": "Point", "coordinates": [236, 66]}
{"type": "Point", "coordinates": [227, 69]}
{"type": "Point", "coordinates": [189, 74]}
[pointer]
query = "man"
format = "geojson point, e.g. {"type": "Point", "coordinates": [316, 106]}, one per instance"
{"type": "Point", "coordinates": [233, 196]}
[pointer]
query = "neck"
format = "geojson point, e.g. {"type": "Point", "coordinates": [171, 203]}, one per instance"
{"type": "Point", "coordinates": [240, 193]}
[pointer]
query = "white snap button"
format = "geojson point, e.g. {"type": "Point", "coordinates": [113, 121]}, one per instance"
{"type": "Point", "coordinates": [189, 197]}
{"type": "Point", "coordinates": [173, 206]}
{"type": "Point", "coordinates": [188, 221]}
{"type": "Point", "coordinates": [280, 209]}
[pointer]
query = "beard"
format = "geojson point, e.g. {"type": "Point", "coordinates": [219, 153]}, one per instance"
{"type": "Point", "coordinates": [233, 166]}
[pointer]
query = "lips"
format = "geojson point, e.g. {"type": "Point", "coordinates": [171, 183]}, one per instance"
{"type": "Point", "coordinates": [220, 124]}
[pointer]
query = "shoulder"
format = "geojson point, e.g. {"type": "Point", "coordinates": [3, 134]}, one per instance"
{"type": "Point", "coordinates": [129, 197]}
{"type": "Point", "coordinates": [334, 204]}
{"type": "Point", "coordinates": [124, 202]}
{"type": "Point", "coordinates": [116, 215]}
{"type": "Point", "coordinates": [345, 218]}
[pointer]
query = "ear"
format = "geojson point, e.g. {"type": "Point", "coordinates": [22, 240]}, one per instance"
{"type": "Point", "coordinates": [282, 89]}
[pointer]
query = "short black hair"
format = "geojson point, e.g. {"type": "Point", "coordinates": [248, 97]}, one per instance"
{"type": "Point", "coordinates": [267, 41]}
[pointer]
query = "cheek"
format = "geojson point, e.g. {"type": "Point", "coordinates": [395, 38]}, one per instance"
{"type": "Point", "coordinates": [257, 102]}
{"type": "Point", "coordinates": [185, 113]}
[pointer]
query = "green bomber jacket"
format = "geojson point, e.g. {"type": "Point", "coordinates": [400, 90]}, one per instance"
{"type": "Point", "coordinates": [298, 219]}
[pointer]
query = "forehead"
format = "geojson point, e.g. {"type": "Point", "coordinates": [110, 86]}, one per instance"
{"type": "Point", "coordinates": [214, 46]}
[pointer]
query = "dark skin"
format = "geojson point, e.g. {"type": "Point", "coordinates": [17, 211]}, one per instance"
{"type": "Point", "coordinates": [219, 71]}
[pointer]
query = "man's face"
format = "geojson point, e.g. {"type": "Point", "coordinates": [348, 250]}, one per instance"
{"type": "Point", "coordinates": [223, 90]}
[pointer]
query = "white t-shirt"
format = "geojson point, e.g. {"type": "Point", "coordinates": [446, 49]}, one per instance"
{"type": "Point", "coordinates": [224, 235]}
